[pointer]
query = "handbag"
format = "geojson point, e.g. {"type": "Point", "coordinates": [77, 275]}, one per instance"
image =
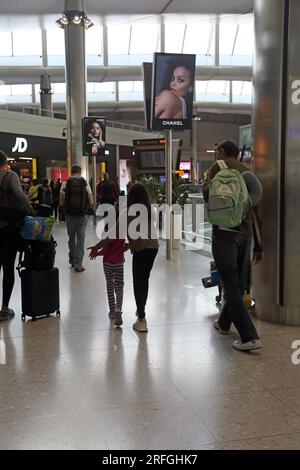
{"type": "Point", "coordinates": [11, 208]}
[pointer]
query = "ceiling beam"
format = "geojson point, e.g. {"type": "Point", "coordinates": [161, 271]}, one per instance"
{"type": "Point", "coordinates": [31, 74]}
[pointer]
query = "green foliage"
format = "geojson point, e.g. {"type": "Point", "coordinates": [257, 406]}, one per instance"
{"type": "Point", "coordinates": [179, 191]}
{"type": "Point", "coordinates": [157, 190]}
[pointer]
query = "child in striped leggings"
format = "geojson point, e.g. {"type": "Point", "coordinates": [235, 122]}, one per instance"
{"type": "Point", "coordinates": [113, 265]}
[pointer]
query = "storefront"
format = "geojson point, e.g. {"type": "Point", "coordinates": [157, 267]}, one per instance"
{"type": "Point", "coordinates": [34, 156]}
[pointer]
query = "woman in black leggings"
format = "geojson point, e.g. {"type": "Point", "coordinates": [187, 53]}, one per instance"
{"type": "Point", "coordinates": [8, 249]}
{"type": "Point", "coordinates": [9, 236]}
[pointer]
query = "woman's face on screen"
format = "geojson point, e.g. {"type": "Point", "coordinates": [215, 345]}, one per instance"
{"type": "Point", "coordinates": [181, 81]}
{"type": "Point", "coordinates": [95, 130]}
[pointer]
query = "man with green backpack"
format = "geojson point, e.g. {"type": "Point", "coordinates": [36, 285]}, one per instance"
{"type": "Point", "coordinates": [229, 209]}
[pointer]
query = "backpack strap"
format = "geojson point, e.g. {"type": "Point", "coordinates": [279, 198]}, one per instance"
{"type": "Point", "coordinates": [222, 165]}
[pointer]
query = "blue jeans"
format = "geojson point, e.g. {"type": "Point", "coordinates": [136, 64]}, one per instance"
{"type": "Point", "coordinates": [231, 251]}
{"type": "Point", "coordinates": [76, 226]}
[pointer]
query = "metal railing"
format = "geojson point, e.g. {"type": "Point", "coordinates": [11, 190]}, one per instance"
{"type": "Point", "coordinates": [33, 110]}
{"type": "Point", "coordinates": [37, 111]}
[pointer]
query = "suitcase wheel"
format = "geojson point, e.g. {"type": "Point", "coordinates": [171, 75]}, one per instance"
{"type": "Point", "coordinates": [23, 317]}
{"type": "Point", "coordinates": [58, 313]}
{"type": "Point", "coordinates": [218, 299]}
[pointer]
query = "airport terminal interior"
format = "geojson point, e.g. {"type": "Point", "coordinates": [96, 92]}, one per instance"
{"type": "Point", "coordinates": [76, 381]}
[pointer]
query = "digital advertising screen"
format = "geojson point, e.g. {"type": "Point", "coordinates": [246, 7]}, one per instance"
{"type": "Point", "coordinates": [173, 80]}
{"type": "Point", "coordinates": [93, 135]}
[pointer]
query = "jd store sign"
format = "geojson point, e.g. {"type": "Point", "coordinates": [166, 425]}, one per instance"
{"type": "Point", "coordinates": [20, 146]}
{"type": "Point", "coordinates": [33, 146]}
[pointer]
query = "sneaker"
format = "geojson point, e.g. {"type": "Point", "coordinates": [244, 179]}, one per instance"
{"type": "Point", "coordinates": [249, 346]}
{"type": "Point", "coordinates": [79, 268]}
{"type": "Point", "coordinates": [140, 325]}
{"type": "Point", "coordinates": [219, 329]}
{"type": "Point", "coordinates": [8, 311]}
{"type": "Point", "coordinates": [118, 318]}
{"type": "Point", "coordinates": [111, 315]}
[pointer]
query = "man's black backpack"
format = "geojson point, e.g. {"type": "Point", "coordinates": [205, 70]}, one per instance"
{"type": "Point", "coordinates": [76, 196]}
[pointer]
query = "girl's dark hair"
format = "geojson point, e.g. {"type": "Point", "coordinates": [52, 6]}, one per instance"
{"type": "Point", "coordinates": [45, 182]}
{"type": "Point", "coordinates": [3, 158]}
{"type": "Point", "coordinates": [230, 148]}
{"type": "Point", "coordinates": [138, 194]}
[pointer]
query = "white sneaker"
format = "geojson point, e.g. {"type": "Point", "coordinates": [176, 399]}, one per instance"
{"type": "Point", "coordinates": [249, 346]}
{"type": "Point", "coordinates": [140, 325]}
{"type": "Point", "coordinates": [219, 329]}
{"type": "Point", "coordinates": [118, 318]}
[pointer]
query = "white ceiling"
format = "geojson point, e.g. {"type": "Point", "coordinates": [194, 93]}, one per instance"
{"type": "Point", "coordinates": [128, 7]}
{"type": "Point", "coordinates": [36, 14]}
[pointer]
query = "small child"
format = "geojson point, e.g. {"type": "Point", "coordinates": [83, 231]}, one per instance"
{"type": "Point", "coordinates": [113, 265]}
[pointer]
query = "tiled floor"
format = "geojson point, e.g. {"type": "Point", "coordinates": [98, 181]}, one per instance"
{"type": "Point", "coordinates": [79, 383]}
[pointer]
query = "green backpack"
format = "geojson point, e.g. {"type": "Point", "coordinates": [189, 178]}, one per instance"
{"type": "Point", "coordinates": [229, 199]}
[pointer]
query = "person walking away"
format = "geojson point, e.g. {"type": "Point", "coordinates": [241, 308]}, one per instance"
{"type": "Point", "coordinates": [55, 197]}
{"type": "Point", "coordinates": [9, 233]}
{"type": "Point", "coordinates": [107, 191]}
{"type": "Point", "coordinates": [113, 266]}
{"type": "Point", "coordinates": [45, 193]}
{"type": "Point", "coordinates": [144, 251]}
{"type": "Point", "coordinates": [231, 251]}
{"type": "Point", "coordinates": [75, 197]}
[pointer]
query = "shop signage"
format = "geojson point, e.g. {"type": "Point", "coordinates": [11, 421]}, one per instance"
{"type": "Point", "coordinates": [20, 145]}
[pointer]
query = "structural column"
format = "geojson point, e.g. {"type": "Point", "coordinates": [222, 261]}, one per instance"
{"type": "Point", "coordinates": [46, 95]}
{"type": "Point", "coordinates": [74, 22]}
{"type": "Point", "coordinates": [276, 140]}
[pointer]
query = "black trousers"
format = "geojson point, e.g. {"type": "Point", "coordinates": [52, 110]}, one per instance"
{"type": "Point", "coordinates": [9, 245]}
{"type": "Point", "coordinates": [231, 251]}
{"type": "Point", "coordinates": [142, 263]}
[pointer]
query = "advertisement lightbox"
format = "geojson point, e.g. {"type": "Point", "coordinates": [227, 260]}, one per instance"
{"type": "Point", "coordinates": [93, 135]}
{"type": "Point", "coordinates": [173, 90]}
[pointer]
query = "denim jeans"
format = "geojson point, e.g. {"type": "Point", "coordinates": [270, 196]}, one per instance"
{"type": "Point", "coordinates": [76, 226]}
{"type": "Point", "coordinates": [231, 251]}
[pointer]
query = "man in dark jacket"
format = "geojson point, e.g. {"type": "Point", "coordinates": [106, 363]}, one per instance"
{"type": "Point", "coordinates": [231, 251]}
{"type": "Point", "coordinates": [107, 191]}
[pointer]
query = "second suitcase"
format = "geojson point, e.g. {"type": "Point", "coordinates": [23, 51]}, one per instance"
{"type": "Point", "coordinates": [40, 293]}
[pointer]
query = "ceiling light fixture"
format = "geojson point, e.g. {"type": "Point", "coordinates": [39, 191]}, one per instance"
{"type": "Point", "coordinates": [75, 17]}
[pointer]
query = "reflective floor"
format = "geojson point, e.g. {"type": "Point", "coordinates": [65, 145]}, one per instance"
{"type": "Point", "coordinates": [80, 383]}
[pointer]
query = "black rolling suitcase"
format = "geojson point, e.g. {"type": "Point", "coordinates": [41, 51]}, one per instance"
{"type": "Point", "coordinates": [39, 279]}
{"type": "Point", "coordinates": [40, 293]}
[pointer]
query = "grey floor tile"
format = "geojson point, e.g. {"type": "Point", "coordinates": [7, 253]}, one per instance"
{"type": "Point", "coordinates": [245, 415]}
